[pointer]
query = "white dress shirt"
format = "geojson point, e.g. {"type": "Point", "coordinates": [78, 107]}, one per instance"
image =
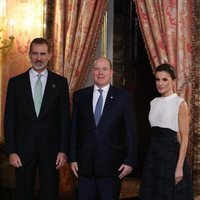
{"type": "Point", "coordinates": [164, 112]}
{"type": "Point", "coordinates": [33, 78]}
{"type": "Point", "coordinates": [96, 95]}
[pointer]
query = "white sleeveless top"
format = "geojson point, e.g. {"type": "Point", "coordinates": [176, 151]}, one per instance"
{"type": "Point", "coordinates": [164, 112]}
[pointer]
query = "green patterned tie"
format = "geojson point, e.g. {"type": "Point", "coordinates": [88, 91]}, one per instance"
{"type": "Point", "coordinates": [38, 94]}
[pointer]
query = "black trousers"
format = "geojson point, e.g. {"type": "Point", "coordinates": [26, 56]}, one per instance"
{"type": "Point", "coordinates": [98, 188]}
{"type": "Point", "coordinates": [48, 181]}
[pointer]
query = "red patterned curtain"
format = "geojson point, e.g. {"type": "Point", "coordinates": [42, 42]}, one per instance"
{"type": "Point", "coordinates": [77, 28]}
{"type": "Point", "coordinates": [166, 27]}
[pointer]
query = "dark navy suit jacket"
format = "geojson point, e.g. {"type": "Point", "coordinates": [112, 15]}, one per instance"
{"type": "Point", "coordinates": [31, 136]}
{"type": "Point", "coordinates": [100, 150]}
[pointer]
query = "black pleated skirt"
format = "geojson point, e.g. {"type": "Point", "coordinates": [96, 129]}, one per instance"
{"type": "Point", "coordinates": [158, 181]}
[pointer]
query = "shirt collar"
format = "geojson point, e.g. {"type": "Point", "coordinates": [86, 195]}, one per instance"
{"type": "Point", "coordinates": [105, 88]}
{"type": "Point", "coordinates": [34, 73]}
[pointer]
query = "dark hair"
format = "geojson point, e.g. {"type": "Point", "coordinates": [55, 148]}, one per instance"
{"type": "Point", "coordinates": [167, 68]}
{"type": "Point", "coordinates": [40, 41]}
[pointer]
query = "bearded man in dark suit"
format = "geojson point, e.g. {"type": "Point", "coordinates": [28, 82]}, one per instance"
{"type": "Point", "coordinates": [103, 136]}
{"type": "Point", "coordinates": [36, 124]}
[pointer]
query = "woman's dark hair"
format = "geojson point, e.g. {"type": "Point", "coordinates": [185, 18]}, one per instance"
{"type": "Point", "coordinates": [167, 68]}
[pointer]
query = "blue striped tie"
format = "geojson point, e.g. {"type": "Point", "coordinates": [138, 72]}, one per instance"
{"type": "Point", "coordinates": [98, 108]}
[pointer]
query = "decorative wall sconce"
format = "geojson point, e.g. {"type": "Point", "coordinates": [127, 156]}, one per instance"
{"type": "Point", "coordinates": [5, 43]}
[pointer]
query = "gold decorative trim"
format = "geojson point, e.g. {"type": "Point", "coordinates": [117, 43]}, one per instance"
{"type": "Point", "coordinates": [195, 100]}
{"type": "Point", "coordinates": [104, 38]}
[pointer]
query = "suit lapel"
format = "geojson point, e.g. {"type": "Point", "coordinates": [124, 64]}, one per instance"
{"type": "Point", "coordinates": [26, 86]}
{"type": "Point", "coordinates": [50, 84]}
{"type": "Point", "coordinates": [89, 103]}
{"type": "Point", "coordinates": [108, 104]}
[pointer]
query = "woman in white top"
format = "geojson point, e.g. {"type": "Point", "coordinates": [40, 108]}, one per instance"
{"type": "Point", "coordinates": [166, 175]}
